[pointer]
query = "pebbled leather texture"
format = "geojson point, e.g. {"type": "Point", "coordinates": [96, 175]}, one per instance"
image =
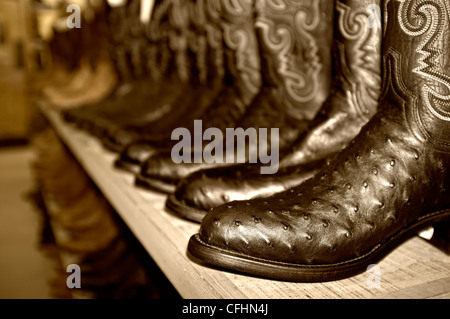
{"type": "Point", "coordinates": [352, 102]}
{"type": "Point", "coordinates": [346, 209]}
{"type": "Point", "coordinates": [295, 77]}
{"type": "Point", "coordinates": [389, 179]}
{"type": "Point", "coordinates": [356, 85]}
{"type": "Point", "coordinates": [161, 166]}
{"type": "Point", "coordinates": [203, 190]}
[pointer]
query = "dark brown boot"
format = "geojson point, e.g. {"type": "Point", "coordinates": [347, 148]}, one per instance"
{"type": "Point", "coordinates": [353, 101]}
{"type": "Point", "coordinates": [295, 42]}
{"type": "Point", "coordinates": [207, 44]}
{"type": "Point", "coordinates": [392, 180]}
{"type": "Point", "coordinates": [203, 94]}
{"type": "Point", "coordinates": [151, 97]}
{"type": "Point", "coordinates": [115, 31]}
{"type": "Point", "coordinates": [232, 64]}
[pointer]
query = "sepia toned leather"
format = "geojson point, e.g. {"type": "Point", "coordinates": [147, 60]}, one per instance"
{"type": "Point", "coordinates": [354, 97]}
{"type": "Point", "coordinates": [390, 182]}
{"type": "Point", "coordinates": [114, 120]}
{"type": "Point", "coordinates": [294, 42]}
{"type": "Point", "coordinates": [232, 67]}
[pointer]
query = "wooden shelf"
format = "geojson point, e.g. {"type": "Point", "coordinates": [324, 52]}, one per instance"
{"type": "Point", "coordinates": [416, 269]}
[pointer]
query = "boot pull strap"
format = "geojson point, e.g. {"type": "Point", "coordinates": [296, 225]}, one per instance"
{"type": "Point", "coordinates": [146, 10]}
{"type": "Point", "coordinates": [116, 3]}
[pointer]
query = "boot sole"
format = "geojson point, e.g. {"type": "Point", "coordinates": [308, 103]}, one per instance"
{"type": "Point", "coordinates": [154, 184]}
{"type": "Point", "coordinates": [307, 273]}
{"type": "Point", "coordinates": [184, 211]}
{"type": "Point", "coordinates": [113, 147]}
{"type": "Point", "coordinates": [127, 166]}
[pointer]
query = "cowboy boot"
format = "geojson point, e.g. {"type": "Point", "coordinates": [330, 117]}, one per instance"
{"type": "Point", "coordinates": [239, 80]}
{"type": "Point", "coordinates": [194, 96]}
{"type": "Point", "coordinates": [96, 77]}
{"type": "Point", "coordinates": [138, 87]}
{"type": "Point", "coordinates": [139, 90]}
{"type": "Point", "coordinates": [142, 77]}
{"type": "Point", "coordinates": [62, 63]}
{"type": "Point", "coordinates": [143, 86]}
{"type": "Point", "coordinates": [117, 32]}
{"type": "Point", "coordinates": [295, 55]}
{"type": "Point", "coordinates": [391, 181]}
{"type": "Point", "coordinates": [82, 69]}
{"type": "Point", "coordinates": [352, 102]}
{"type": "Point", "coordinates": [242, 83]}
{"type": "Point", "coordinates": [210, 65]}
{"type": "Point", "coordinates": [103, 79]}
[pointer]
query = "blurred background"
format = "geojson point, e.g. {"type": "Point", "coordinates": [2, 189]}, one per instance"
{"type": "Point", "coordinates": [26, 271]}
{"type": "Point", "coordinates": [32, 265]}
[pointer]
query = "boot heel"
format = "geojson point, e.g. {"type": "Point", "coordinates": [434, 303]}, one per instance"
{"type": "Point", "coordinates": [438, 235]}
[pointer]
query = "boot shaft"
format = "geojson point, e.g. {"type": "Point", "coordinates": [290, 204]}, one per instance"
{"type": "Point", "coordinates": [117, 17]}
{"type": "Point", "coordinates": [295, 45]}
{"type": "Point", "coordinates": [157, 51]}
{"type": "Point", "coordinates": [136, 41]}
{"type": "Point", "coordinates": [197, 40]}
{"type": "Point", "coordinates": [417, 66]}
{"type": "Point", "coordinates": [241, 51]}
{"type": "Point", "coordinates": [205, 41]}
{"type": "Point", "coordinates": [357, 55]}
{"type": "Point", "coordinates": [131, 40]}
{"type": "Point", "coordinates": [191, 42]}
{"type": "Point", "coordinates": [214, 39]}
{"type": "Point", "coordinates": [178, 39]}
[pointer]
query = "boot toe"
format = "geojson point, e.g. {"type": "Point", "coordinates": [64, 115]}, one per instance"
{"type": "Point", "coordinates": [160, 166]}
{"type": "Point", "coordinates": [259, 230]}
{"type": "Point", "coordinates": [137, 153]}
{"type": "Point", "coordinates": [120, 138]}
{"type": "Point", "coordinates": [210, 188]}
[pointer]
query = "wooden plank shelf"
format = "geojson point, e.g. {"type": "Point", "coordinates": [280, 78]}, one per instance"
{"type": "Point", "coordinates": [415, 269]}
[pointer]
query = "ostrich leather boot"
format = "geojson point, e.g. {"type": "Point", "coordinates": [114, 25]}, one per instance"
{"type": "Point", "coordinates": [353, 100]}
{"type": "Point", "coordinates": [207, 43]}
{"type": "Point", "coordinates": [295, 48]}
{"type": "Point", "coordinates": [390, 182]}
{"type": "Point", "coordinates": [242, 82]}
